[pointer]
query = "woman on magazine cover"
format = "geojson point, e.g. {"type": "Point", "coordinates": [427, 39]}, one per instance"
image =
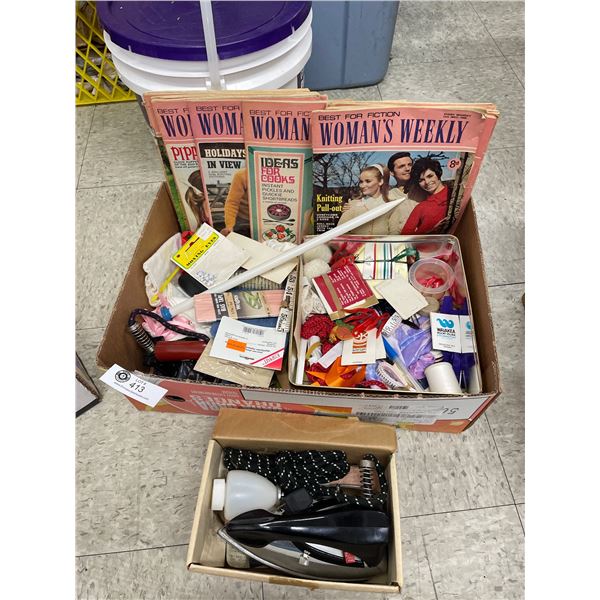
{"type": "Point", "coordinates": [429, 214]}
{"type": "Point", "coordinates": [373, 184]}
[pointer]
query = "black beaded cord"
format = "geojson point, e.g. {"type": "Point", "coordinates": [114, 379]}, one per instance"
{"type": "Point", "coordinates": [308, 469]}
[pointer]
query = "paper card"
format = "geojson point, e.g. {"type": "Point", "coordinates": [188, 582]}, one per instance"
{"type": "Point", "coordinates": [343, 288]}
{"type": "Point", "coordinates": [131, 385]}
{"type": "Point", "coordinates": [375, 261]}
{"type": "Point", "coordinates": [259, 253]}
{"type": "Point", "coordinates": [379, 348]}
{"type": "Point", "coordinates": [249, 344]}
{"type": "Point", "coordinates": [209, 257]}
{"type": "Point", "coordinates": [466, 334]}
{"type": "Point", "coordinates": [329, 357]}
{"type": "Point", "coordinates": [302, 347]}
{"type": "Point", "coordinates": [360, 350]}
{"type": "Point", "coordinates": [405, 299]}
{"type": "Point", "coordinates": [445, 332]}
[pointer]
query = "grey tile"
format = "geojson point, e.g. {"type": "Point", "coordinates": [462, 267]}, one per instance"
{"type": "Point", "coordinates": [360, 93]}
{"type": "Point", "coordinates": [439, 472]}
{"type": "Point", "coordinates": [86, 346]}
{"type": "Point", "coordinates": [173, 449]}
{"type": "Point", "coordinates": [427, 32]}
{"type": "Point", "coordinates": [499, 197]}
{"type": "Point", "coordinates": [151, 574]}
{"type": "Point", "coordinates": [107, 521]}
{"type": "Point", "coordinates": [475, 554]}
{"type": "Point", "coordinates": [506, 416]}
{"type": "Point", "coordinates": [107, 457]}
{"type": "Point", "coordinates": [109, 222]}
{"type": "Point", "coordinates": [120, 148]}
{"type": "Point", "coordinates": [83, 123]}
{"type": "Point", "coordinates": [107, 449]}
{"type": "Point", "coordinates": [417, 576]}
{"type": "Point", "coordinates": [483, 80]}
{"type": "Point", "coordinates": [518, 65]}
{"type": "Point", "coordinates": [521, 511]}
{"type": "Point", "coordinates": [137, 475]}
{"type": "Point", "coordinates": [506, 23]}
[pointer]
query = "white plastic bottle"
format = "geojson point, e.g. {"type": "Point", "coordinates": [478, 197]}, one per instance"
{"type": "Point", "coordinates": [242, 491]}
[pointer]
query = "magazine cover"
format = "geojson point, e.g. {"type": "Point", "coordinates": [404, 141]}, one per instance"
{"type": "Point", "coordinates": [279, 153]}
{"type": "Point", "coordinates": [426, 154]}
{"type": "Point", "coordinates": [175, 128]}
{"type": "Point", "coordinates": [219, 137]}
{"type": "Point", "coordinates": [169, 178]}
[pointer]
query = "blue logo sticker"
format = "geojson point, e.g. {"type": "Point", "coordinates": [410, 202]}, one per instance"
{"type": "Point", "coordinates": [448, 323]}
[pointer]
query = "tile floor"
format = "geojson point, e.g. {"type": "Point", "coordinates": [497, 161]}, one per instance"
{"type": "Point", "coordinates": [462, 495]}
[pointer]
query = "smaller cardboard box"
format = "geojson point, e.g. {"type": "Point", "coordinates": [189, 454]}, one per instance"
{"type": "Point", "coordinates": [269, 432]}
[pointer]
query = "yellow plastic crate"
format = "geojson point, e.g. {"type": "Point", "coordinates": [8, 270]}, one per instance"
{"type": "Point", "coordinates": [96, 79]}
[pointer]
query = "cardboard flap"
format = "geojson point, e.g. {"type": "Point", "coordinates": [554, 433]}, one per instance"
{"type": "Point", "coordinates": [235, 427]}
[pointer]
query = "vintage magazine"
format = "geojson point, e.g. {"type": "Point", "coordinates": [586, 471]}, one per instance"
{"type": "Point", "coordinates": [195, 199]}
{"type": "Point", "coordinates": [219, 137]}
{"type": "Point", "coordinates": [279, 154]}
{"type": "Point", "coordinates": [217, 126]}
{"type": "Point", "coordinates": [169, 177]}
{"type": "Point", "coordinates": [174, 125]}
{"type": "Point", "coordinates": [426, 154]}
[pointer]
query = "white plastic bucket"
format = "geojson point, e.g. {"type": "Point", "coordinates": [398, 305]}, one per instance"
{"type": "Point", "coordinates": [278, 66]}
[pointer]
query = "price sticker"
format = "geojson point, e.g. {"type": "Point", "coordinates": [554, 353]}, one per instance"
{"type": "Point", "coordinates": [131, 385]}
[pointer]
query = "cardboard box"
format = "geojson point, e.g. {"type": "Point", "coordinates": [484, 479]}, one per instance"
{"type": "Point", "coordinates": [412, 411]}
{"type": "Point", "coordinates": [256, 430]}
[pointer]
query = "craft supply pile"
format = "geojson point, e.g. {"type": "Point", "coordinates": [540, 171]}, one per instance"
{"type": "Point", "coordinates": [378, 313]}
{"type": "Point", "coordinates": [385, 314]}
{"type": "Point", "coordinates": [309, 514]}
{"type": "Point", "coordinates": [193, 332]}
{"type": "Point", "coordinates": [248, 295]}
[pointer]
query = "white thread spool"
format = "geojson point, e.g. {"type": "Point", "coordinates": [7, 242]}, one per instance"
{"type": "Point", "coordinates": [441, 379]}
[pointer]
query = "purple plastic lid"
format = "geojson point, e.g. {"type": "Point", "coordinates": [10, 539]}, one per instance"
{"type": "Point", "coordinates": [173, 30]}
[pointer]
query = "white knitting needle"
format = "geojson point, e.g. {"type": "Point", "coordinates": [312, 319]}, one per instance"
{"type": "Point", "coordinates": [284, 257]}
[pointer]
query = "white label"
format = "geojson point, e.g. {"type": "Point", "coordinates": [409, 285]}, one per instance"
{"type": "Point", "coordinates": [286, 313]}
{"type": "Point", "coordinates": [379, 348]}
{"type": "Point", "coordinates": [445, 333]}
{"type": "Point", "coordinates": [402, 296]}
{"type": "Point", "coordinates": [131, 385]}
{"type": "Point", "coordinates": [249, 344]}
{"type": "Point", "coordinates": [329, 357]}
{"type": "Point", "coordinates": [391, 325]}
{"type": "Point", "coordinates": [360, 350]}
{"type": "Point", "coordinates": [466, 334]}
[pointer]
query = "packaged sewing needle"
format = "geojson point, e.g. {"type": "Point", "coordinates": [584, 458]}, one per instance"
{"type": "Point", "coordinates": [209, 257]}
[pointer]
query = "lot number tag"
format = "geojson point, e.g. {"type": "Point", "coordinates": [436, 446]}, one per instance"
{"type": "Point", "coordinates": [131, 385]}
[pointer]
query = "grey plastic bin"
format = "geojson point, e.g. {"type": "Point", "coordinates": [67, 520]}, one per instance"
{"type": "Point", "coordinates": [351, 43]}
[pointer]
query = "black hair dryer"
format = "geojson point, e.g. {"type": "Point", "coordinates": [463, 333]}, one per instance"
{"type": "Point", "coordinates": [339, 543]}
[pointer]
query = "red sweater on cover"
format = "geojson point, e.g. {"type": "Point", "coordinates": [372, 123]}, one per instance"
{"type": "Point", "coordinates": [427, 214]}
